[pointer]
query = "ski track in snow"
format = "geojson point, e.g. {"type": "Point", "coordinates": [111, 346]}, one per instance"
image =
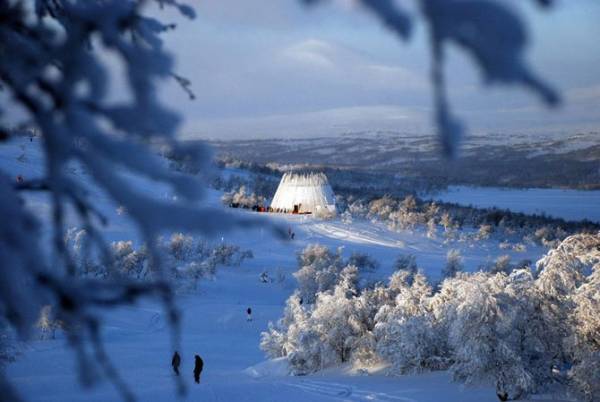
{"type": "Point", "coordinates": [346, 392]}
{"type": "Point", "coordinates": [348, 234]}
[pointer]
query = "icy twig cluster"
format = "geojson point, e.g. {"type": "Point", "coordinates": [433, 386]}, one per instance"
{"type": "Point", "coordinates": [53, 66]}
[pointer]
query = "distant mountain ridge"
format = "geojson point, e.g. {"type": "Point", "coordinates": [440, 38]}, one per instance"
{"type": "Point", "coordinates": [552, 160]}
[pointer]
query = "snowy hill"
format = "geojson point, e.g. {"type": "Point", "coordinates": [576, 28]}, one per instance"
{"type": "Point", "coordinates": [214, 322]}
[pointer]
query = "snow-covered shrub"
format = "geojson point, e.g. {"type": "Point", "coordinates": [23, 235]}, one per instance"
{"type": "Point", "coordinates": [358, 209]}
{"type": "Point", "coordinates": [128, 261]}
{"type": "Point", "coordinates": [282, 338]}
{"type": "Point", "coordinates": [504, 245]}
{"type": "Point", "coordinates": [325, 214]}
{"type": "Point", "coordinates": [346, 217]}
{"type": "Point", "coordinates": [405, 262]}
{"type": "Point", "coordinates": [363, 262]}
{"type": "Point", "coordinates": [485, 231]}
{"type": "Point", "coordinates": [242, 198]}
{"type": "Point", "coordinates": [230, 255]}
{"type": "Point", "coordinates": [47, 324]}
{"type": "Point", "coordinates": [454, 264]}
{"type": "Point", "coordinates": [520, 247]}
{"type": "Point", "coordinates": [502, 264]}
{"type": "Point", "coordinates": [432, 228]}
{"type": "Point", "coordinates": [186, 259]}
{"type": "Point", "coordinates": [404, 330]}
{"type": "Point", "coordinates": [318, 272]}
{"type": "Point", "coordinates": [382, 208]}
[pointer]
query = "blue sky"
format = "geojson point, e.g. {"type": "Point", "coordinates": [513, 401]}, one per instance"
{"type": "Point", "coordinates": [274, 68]}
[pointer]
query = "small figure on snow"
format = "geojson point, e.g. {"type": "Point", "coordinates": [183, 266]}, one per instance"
{"type": "Point", "coordinates": [249, 314]}
{"type": "Point", "coordinates": [264, 277]}
{"type": "Point", "coordinates": [198, 365]}
{"type": "Point", "coordinates": [293, 235]}
{"type": "Point", "coordinates": [175, 362]}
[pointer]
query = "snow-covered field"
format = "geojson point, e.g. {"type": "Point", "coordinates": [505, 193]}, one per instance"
{"type": "Point", "coordinates": [572, 205]}
{"type": "Point", "coordinates": [214, 322]}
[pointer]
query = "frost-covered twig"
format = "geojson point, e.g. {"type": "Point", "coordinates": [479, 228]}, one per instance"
{"type": "Point", "coordinates": [52, 65]}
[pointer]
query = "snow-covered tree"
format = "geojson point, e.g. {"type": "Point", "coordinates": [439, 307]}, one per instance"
{"type": "Point", "coordinates": [432, 228]}
{"type": "Point", "coordinates": [454, 264]}
{"type": "Point", "coordinates": [585, 343]}
{"type": "Point", "coordinates": [382, 208]}
{"type": "Point", "coordinates": [405, 262]}
{"type": "Point", "coordinates": [484, 232]}
{"type": "Point", "coordinates": [334, 319]}
{"type": "Point", "coordinates": [482, 337]}
{"type": "Point", "coordinates": [47, 323]}
{"type": "Point", "coordinates": [243, 198]}
{"type": "Point", "coordinates": [319, 270]}
{"type": "Point", "coordinates": [405, 333]}
{"type": "Point", "coordinates": [281, 337]}
{"type": "Point", "coordinates": [363, 262]}
{"type": "Point", "coordinates": [502, 264]}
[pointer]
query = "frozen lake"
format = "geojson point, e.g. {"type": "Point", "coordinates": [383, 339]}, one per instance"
{"type": "Point", "coordinates": [566, 204]}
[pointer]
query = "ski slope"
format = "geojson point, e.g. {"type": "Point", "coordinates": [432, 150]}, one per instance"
{"type": "Point", "coordinates": [214, 322]}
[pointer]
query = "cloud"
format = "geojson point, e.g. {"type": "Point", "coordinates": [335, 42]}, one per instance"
{"type": "Point", "coordinates": [312, 53]}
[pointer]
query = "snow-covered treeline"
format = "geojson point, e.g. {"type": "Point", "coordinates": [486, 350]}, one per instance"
{"type": "Point", "coordinates": [446, 220]}
{"type": "Point", "coordinates": [186, 259]}
{"type": "Point", "coordinates": [524, 331]}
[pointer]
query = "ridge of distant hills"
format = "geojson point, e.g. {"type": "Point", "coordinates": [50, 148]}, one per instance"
{"type": "Point", "coordinates": [512, 160]}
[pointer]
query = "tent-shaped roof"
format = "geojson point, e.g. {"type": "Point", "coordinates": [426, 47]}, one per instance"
{"type": "Point", "coordinates": [305, 193]}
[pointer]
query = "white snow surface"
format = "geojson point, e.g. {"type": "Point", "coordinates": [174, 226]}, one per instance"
{"type": "Point", "coordinates": [214, 319]}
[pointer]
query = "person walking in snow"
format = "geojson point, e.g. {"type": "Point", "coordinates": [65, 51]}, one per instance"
{"type": "Point", "coordinates": [175, 362]}
{"type": "Point", "coordinates": [198, 366]}
{"type": "Point", "coordinates": [249, 314]}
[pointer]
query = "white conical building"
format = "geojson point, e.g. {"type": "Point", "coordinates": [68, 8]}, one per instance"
{"type": "Point", "coordinates": [304, 193]}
